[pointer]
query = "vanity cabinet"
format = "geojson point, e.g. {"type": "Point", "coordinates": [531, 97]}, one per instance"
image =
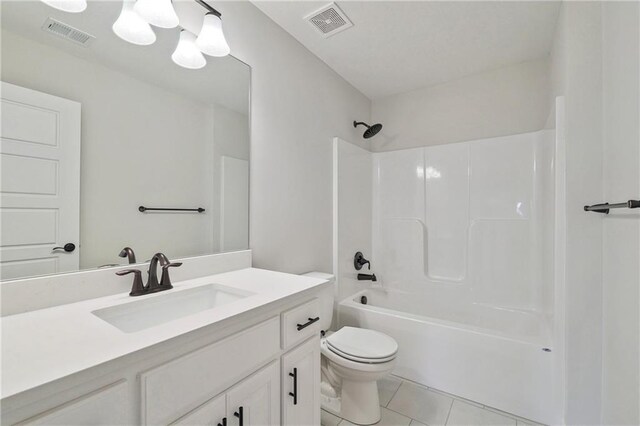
{"type": "Point", "coordinates": [301, 384]}
{"type": "Point", "coordinates": [252, 402]}
{"type": "Point", "coordinates": [255, 401]}
{"type": "Point", "coordinates": [106, 406]}
{"type": "Point", "coordinates": [266, 374]}
{"type": "Point", "coordinates": [211, 413]}
{"type": "Point", "coordinates": [177, 387]}
{"type": "Point", "coordinates": [300, 323]}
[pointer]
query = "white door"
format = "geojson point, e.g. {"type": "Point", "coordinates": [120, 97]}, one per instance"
{"type": "Point", "coordinates": [234, 204]}
{"type": "Point", "coordinates": [255, 401]}
{"type": "Point", "coordinates": [40, 183]}
{"type": "Point", "coordinates": [301, 385]}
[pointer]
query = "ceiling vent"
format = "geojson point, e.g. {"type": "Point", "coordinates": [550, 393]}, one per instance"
{"type": "Point", "coordinates": [329, 20]}
{"type": "Point", "coordinates": [67, 32]}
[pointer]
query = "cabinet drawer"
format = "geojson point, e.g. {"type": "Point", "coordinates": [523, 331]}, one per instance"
{"type": "Point", "coordinates": [106, 406]}
{"type": "Point", "coordinates": [300, 323]}
{"type": "Point", "coordinates": [177, 387]}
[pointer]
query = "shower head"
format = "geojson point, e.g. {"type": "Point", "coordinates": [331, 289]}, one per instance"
{"type": "Point", "coordinates": [371, 130]}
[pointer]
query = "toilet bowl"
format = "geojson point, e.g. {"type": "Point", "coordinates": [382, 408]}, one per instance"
{"type": "Point", "coordinates": [358, 358]}
{"type": "Point", "coordinates": [353, 360]}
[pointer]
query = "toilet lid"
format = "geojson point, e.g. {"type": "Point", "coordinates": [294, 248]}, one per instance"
{"type": "Point", "coordinates": [363, 344]}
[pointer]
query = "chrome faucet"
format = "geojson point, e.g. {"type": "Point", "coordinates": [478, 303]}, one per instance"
{"type": "Point", "coordinates": [152, 286]}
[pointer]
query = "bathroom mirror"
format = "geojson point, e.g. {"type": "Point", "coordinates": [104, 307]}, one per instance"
{"type": "Point", "coordinates": [96, 129]}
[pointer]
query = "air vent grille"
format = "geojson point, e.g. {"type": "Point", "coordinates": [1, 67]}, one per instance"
{"type": "Point", "coordinates": [67, 32]}
{"type": "Point", "coordinates": [329, 20]}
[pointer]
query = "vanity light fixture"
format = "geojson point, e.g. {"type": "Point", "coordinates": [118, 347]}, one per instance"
{"type": "Point", "coordinates": [157, 12]}
{"type": "Point", "coordinates": [73, 6]}
{"type": "Point", "coordinates": [131, 27]}
{"type": "Point", "coordinates": [187, 53]}
{"type": "Point", "coordinates": [137, 16]}
{"type": "Point", "coordinates": [211, 39]}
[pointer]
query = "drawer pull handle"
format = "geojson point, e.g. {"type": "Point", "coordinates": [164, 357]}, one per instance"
{"type": "Point", "coordinates": [224, 422]}
{"type": "Point", "coordinates": [308, 323]}
{"type": "Point", "coordinates": [238, 414]}
{"type": "Point", "coordinates": [294, 394]}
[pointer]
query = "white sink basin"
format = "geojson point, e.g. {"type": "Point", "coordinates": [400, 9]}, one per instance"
{"type": "Point", "coordinates": [150, 311]}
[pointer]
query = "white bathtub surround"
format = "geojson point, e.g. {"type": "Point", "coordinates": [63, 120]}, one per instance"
{"type": "Point", "coordinates": [413, 405]}
{"type": "Point", "coordinates": [353, 189]}
{"type": "Point", "coordinates": [506, 369]}
{"type": "Point", "coordinates": [463, 243]}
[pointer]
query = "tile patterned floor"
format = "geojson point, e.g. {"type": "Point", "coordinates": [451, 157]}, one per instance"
{"type": "Point", "coordinates": [405, 403]}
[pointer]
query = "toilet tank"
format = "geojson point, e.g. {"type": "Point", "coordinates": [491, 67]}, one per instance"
{"type": "Point", "coordinates": [326, 297]}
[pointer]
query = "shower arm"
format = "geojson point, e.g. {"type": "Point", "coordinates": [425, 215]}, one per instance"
{"type": "Point", "coordinates": [358, 123]}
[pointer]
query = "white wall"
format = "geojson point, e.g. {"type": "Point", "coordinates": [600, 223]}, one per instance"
{"type": "Point", "coordinates": [621, 228]}
{"type": "Point", "coordinates": [500, 102]}
{"type": "Point", "coordinates": [298, 105]}
{"type": "Point", "coordinates": [231, 139]}
{"type": "Point", "coordinates": [576, 70]}
{"type": "Point", "coordinates": [136, 140]}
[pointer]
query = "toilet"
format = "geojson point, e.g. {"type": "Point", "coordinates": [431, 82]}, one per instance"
{"type": "Point", "coordinates": [353, 360]}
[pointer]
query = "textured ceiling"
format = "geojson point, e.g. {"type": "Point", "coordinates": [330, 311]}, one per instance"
{"type": "Point", "coordinates": [398, 46]}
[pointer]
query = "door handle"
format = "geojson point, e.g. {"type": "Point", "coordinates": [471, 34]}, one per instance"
{"type": "Point", "coordinates": [239, 415]}
{"type": "Point", "coordinates": [69, 247]}
{"type": "Point", "coordinates": [294, 394]}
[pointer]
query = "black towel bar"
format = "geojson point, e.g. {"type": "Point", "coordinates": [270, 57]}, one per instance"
{"type": "Point", "coordinates": [143, 209]}
{"type": "Point", "coordinates": [605, 207]}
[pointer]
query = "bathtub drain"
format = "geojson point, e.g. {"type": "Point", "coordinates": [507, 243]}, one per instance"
{"type": "Point", "coordinates": [546, 349]}
{"type": "Point", "coordinates": [363, 300]}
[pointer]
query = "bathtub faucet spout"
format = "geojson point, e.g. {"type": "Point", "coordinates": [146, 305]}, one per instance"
{"type": "Point", "coordinates": [367, 277]}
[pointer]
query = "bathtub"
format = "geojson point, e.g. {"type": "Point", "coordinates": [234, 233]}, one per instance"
{"type": "Point", "coordinates": [497, 357]}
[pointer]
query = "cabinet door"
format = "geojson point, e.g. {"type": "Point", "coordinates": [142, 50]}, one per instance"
{"type": "Point", "coordinates": [301, 385]}
{"type": "Point", "coordinates": [211, 413]}
{"type": "Point", "coordinates": [255, 401]}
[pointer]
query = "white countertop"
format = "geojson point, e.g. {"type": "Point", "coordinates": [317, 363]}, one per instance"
{"type": "Point", "coordinates": [41, 346]}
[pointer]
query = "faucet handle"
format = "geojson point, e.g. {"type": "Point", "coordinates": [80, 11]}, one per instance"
{"type": "Point", "coordinates": [165, 281]}
{"type": "Point", "coordinates": [137, 288]}
{"type": "Point", "coordinates": [359, 261]}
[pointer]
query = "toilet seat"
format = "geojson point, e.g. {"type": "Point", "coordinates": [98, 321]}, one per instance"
{"type": "Point", "coordinates": [362, 345]}
{"type": "Point", "coordinates": [361, 360]}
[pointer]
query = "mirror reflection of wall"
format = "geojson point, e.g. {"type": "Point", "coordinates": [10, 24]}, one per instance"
{"type": "Point", "coordinates": [148, 133]}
